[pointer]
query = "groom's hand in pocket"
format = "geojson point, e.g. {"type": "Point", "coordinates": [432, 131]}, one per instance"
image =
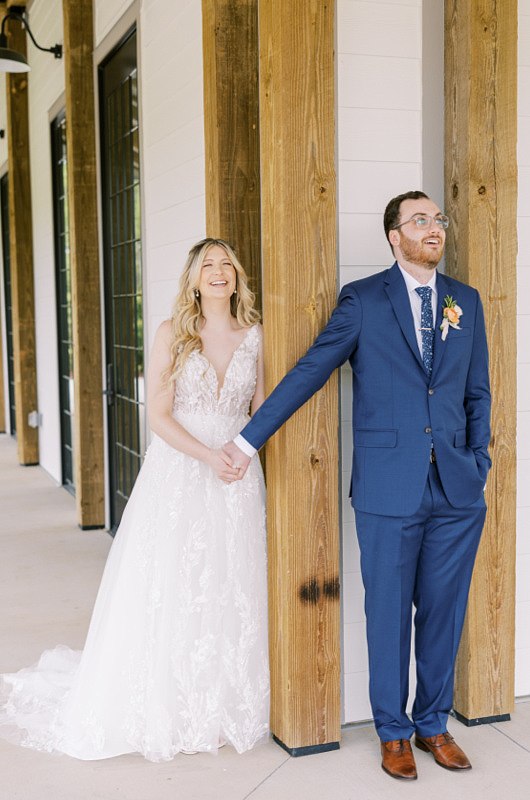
{"type": "Point", "coordinates": [239, 460]}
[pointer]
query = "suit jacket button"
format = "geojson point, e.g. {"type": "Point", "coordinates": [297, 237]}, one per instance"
{"type": "Point", "coordinates": [431, 391]}
{"type": "Point", "coordinates": [428, 430]}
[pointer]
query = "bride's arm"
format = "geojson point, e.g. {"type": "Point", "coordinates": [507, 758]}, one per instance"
{"type": "Point", "coordinates": [160, 407]}
{"type": "Point", "coordinates": [237, 450]}
{"type": "Point", "coordinates": [259, 394]}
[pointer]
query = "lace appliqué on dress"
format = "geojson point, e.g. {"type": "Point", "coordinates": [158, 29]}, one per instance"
{"type": "Point", "coordinates": [176, 657]}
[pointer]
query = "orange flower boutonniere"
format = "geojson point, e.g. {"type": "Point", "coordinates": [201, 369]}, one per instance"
{"type": "Point", "coordinates": [451, 316]}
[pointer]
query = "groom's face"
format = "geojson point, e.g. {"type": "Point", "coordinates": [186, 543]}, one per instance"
{"type": "Point", "coordinates": [420, 246]}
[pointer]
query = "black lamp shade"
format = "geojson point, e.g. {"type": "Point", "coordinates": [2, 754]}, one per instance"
{"type": "Point", "coordinates": [11, 61]}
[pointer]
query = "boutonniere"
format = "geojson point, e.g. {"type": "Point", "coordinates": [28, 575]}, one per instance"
{"type": "Point", "coordinates": [451, 316]}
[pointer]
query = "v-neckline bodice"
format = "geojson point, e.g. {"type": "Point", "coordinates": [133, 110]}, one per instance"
{"type": "Point", "coordinates": [220, 386]}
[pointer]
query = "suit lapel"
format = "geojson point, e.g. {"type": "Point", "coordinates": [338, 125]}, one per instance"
{"type": "Point", "coordinates": [397, 294]}
{"type": "Point", "coordinates": [440, 347]}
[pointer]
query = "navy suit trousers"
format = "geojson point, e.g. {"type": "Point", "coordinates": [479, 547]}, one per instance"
{"type": "Point", "coordinates": [423, 561]}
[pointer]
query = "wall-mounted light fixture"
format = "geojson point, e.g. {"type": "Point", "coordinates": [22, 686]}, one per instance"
{"type": "Point", "coordinates": [11, 60]}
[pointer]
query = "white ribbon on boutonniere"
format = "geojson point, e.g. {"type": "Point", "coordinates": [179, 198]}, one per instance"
{"type": "Point", "coordinates": [451, 316]}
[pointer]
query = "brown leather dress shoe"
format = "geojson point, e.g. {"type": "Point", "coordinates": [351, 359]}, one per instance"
{"type": "Point", "coordinates": [445, 750]}
{"type": "Point", "coordinates": [398, 759]}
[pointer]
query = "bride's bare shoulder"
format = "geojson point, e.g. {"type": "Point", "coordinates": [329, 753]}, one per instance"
{"type": "Point", "coordinates": [164, 331]}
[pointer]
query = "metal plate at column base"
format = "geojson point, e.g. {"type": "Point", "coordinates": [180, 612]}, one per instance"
{"type": "Point", "coordinates": [91, 527]}
{"type": "Point", "coordinates": [307, 751]}
{"type": "Point", "coordinates": [470, 723]}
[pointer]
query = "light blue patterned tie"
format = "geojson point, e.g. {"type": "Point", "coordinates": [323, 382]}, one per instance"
{"type": "Point", "coordinates": [427, 326]}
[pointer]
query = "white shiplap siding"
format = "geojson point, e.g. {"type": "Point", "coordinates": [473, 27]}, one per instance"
{"type": "Point", "coordinates": [106, 15]}
{"type": "Point", "coordinates": [172, 146]}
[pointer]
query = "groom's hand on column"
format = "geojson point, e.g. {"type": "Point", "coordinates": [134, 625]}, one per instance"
{"type": "Point", "coordinates": [240, 461]}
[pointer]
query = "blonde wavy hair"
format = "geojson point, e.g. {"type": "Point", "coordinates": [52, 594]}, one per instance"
{"type": "Point", "coordinates": [187, 318]}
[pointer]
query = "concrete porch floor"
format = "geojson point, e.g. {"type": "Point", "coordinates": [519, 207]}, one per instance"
{"type": "Point", "coordinates": [49, 574]}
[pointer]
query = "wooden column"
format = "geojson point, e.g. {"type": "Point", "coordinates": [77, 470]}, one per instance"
{"type": "Point", "coordinates": [231, 122]}
{"type": "Point", "coordinates": [84, 259]}
{"type": "Point", "coordinates": [21, 243]}
{"type": "Point", "coordinates": [481, 198]}
{"type": "Point", "coordinates": [297, 131]}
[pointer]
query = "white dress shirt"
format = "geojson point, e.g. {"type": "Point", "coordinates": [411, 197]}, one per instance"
{"type": "Point", "coordinates": [415, 306]}
{"type": "Point", "coordinates": [415, 301]}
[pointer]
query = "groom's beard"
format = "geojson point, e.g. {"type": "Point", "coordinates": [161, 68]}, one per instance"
{"type": "Point", "coordinates": [419, 253]}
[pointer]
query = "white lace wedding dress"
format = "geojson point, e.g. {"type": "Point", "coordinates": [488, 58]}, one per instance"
{"type": "Point", "coordinates": [176, 656]}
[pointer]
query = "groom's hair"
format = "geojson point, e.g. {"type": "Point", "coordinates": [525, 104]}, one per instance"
{"type": "Point", "coordinates": [392, 212]}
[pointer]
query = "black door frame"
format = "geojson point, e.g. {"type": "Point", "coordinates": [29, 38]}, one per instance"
{"type": "Point", "coordinates": [122, 270]}
{"type": "Point", "coordinates": [63, 288]}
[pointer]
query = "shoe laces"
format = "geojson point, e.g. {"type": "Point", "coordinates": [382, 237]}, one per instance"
{"type": "Point", "coordinates": [398, 745]}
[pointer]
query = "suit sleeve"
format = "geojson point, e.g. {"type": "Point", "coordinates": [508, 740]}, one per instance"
{"type": "Point", "coordinates": [477, 400]}
{"type": "Point", "coordinates": [331, 349]}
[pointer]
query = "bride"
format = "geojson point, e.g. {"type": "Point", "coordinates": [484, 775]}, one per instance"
{"type": "Point", "coordinates": [176, 654]}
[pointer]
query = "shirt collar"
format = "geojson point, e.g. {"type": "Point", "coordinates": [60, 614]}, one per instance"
{"type": "Point", "coordinates": [412, 284]}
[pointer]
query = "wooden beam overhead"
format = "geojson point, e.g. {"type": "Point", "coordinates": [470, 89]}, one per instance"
{"type": "Point", "coordinates": [231, 122]}
{"type": "Point", "coordinates": [481, 198]}
{"type": "Point", "coordinates": [297, 131]}
{"type": "Point", "coordinates": [21, 244]}
{"type": "Point", "coordinates": [84, 260]}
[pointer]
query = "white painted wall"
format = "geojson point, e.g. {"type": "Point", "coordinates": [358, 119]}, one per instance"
{"type": "Point", "coordinates": [46, 85]}
{"type": "Point", "coordinates": [173, 169]}
{"type": "Point", "coordinates": [106, 15]}
{"type": "Point", "coordinates": [522, 629]}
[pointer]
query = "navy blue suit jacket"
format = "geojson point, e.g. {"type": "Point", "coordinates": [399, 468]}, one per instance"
{"type": "Point", "coordinates": [397, 408]}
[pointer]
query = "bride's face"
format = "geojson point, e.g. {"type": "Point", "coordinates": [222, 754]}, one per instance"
{"type": "Point", "coordinates": [218, 275]}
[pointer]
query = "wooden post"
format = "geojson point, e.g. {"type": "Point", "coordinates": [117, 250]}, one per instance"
{"type": "Point", "coordinates": [231, 123]}
{"type": "Point", "coordinates": [481, 198]}
{"type": "Point", "coordinates": [84, 260]}
{"type": "Point", "coordinates": [21, 242]}
{"type": "Point", "coordinates": [297, 131]}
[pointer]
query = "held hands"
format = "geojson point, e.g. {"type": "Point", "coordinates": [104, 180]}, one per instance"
{"type": "Point", "coordinates": [237, 458]}
{"type": "Point", "coordinates": [221, 463]}
{"type": "Point", "coordinates": [229, 464]}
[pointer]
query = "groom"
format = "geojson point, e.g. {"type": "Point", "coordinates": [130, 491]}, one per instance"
{"type": "Point", "coordinates": [416, 343]}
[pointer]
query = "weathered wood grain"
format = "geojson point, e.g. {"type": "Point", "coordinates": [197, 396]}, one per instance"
{"type": "Point", "coordinates": [84, 261]}
{"type": "Point", "coordinates": [21, 245]}
{"type": "Point", "coordinates": [481, 199]}
{"type": "Point", "coordinates": [297, 131]}
{"type": "Point", "coordinates": [231, 122]}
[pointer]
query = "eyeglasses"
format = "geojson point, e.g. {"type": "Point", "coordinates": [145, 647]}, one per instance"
{"type": "Point", "coordinates": [422, 221]}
